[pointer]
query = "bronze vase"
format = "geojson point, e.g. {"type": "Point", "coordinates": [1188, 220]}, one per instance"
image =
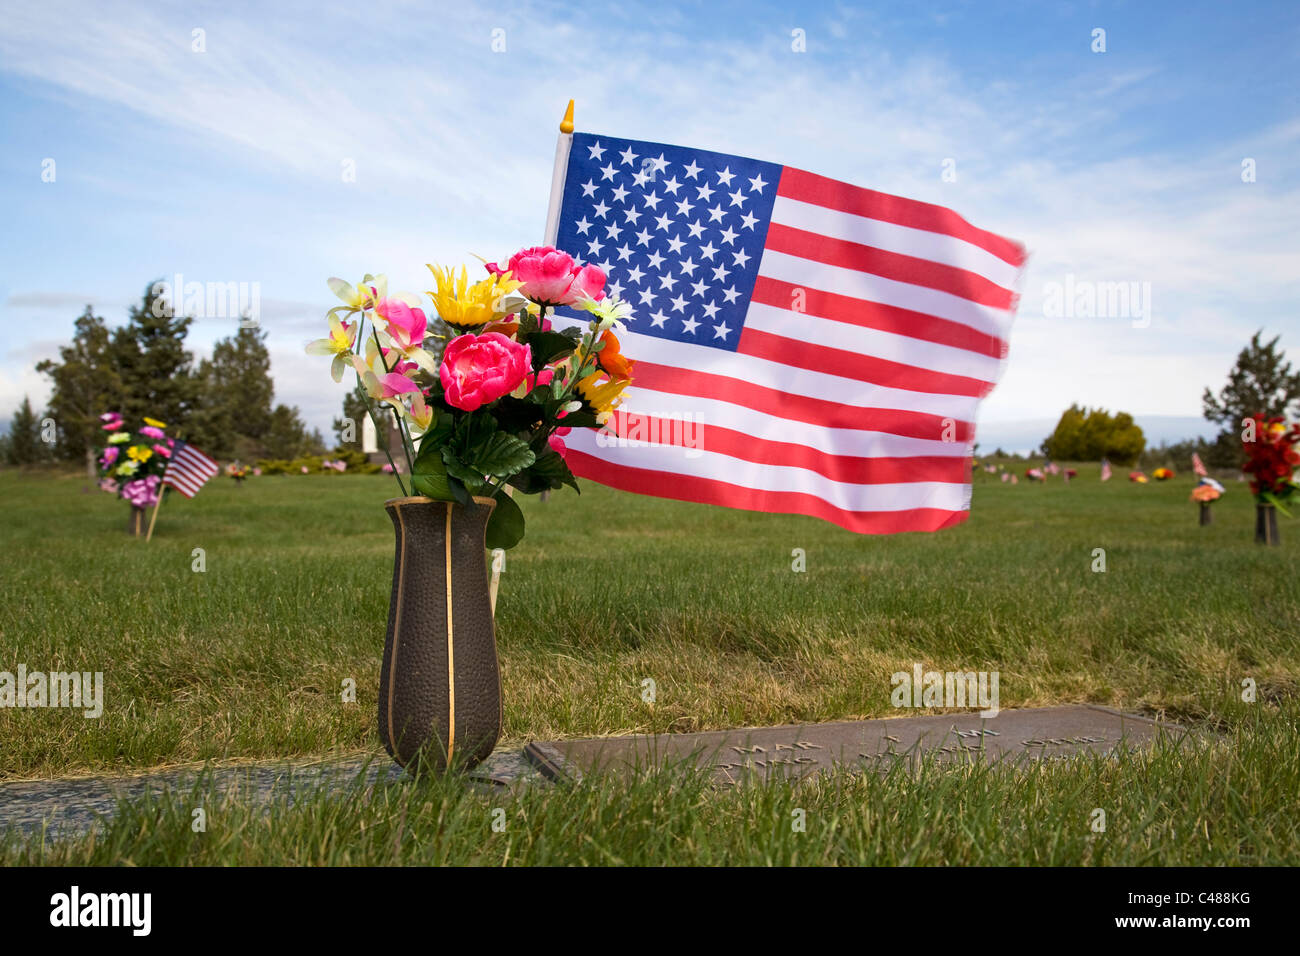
{"type": "Point", "coordinates": [1265, 524]}
{"type": "Point", "coordinates": [135, 523]}
{"type": "Point", "coordinates": [440, 686]}
{"type": "Point", "coordinates": [1207, 516]}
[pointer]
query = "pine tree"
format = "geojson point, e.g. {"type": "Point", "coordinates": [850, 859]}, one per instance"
{"type": "Point", "coordinates": [233, 417]}
{"type": "Point", "coordinates": [288, 436]}
{"type": "Point", "coordinates": [156, 371]}
{"type": "Point", "coordinates": [86, 384]}
{"type": "Point", "coordinates": [24, 446]}
{"type": "Point", "coordinates": [1262, 381]}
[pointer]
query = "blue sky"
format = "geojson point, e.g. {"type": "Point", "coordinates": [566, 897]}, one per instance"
{"type": "Point", "coordinates": [226, 164]}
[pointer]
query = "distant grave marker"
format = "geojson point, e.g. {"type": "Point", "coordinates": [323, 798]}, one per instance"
{"type": "Point", "coordinates": [1046, 733]}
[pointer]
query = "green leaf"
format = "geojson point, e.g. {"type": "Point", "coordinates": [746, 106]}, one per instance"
{"type": "Point", "coordinates": [505, 528]}
{"type": "Point", "coordinates": [439, 433]}
{"type": "Point", "coordinates": [471, 479]}
{"type": "Point", "coordinates": [554, 471]}
{"type": "Point", "coordinates": [436, 486]}
{"type": "Point", "coordinates": [549, 346]}
{"type": "Point", "coordinates": [502, 455]}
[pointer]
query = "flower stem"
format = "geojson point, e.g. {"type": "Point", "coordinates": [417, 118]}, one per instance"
{"type": "Point", "coordinates": [370, 410]}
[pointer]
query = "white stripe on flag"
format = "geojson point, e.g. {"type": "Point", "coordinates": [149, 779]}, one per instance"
{"type": "Point", "coordinates": [891, 237]}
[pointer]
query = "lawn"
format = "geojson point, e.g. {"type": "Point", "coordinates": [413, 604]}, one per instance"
{"type": "Point", "coordinates": [248, 658]}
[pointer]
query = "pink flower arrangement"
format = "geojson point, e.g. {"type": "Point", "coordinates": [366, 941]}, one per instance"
{"type": "Point", "coordinates": [551, 277]}
{"type": "Point", "coordinates": [489, 405]}
{"type": "Point", "coordinates": [479, 369]}
{"type": "Point", "coordinates": [142, 492]}
{"type": "Point", "coordinates": [148, 431]}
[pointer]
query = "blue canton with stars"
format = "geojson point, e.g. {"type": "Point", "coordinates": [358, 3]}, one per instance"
{"type": "Point", "coordinates": [678, 232]}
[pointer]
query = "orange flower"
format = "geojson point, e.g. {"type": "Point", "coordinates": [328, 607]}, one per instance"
{"type": "Point", "coordinates": [611, 359]}
{"type": "Point", "coordinates": [1205, 493]}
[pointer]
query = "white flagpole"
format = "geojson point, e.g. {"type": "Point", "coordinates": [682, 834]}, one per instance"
{"type": "Point", "coordinates": [562, 146]}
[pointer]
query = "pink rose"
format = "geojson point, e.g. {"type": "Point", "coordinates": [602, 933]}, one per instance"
{"type": "Point", "coordinates": [150, 432]}
{"type": "Point", "coordinates": [478, 369]}
{"type": "Point", "coordinates": [551, 277]}
{"type": "Point", "coordinates": [163, 451]}
{"type": "Point", "coordinates": [406, 325]}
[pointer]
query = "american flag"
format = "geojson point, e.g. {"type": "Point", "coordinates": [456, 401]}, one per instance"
{"type": "Point", "coordinates": [802, 345]}
{"type": "Point", "coordinates": [188, 469]}
{"type": "Point", "coordinates": [1198, 466]}
{"type": "Point", "coordinates": [1105, 470]}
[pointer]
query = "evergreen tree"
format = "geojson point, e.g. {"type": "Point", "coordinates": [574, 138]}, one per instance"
{"type": "Point", "coordinates": [233, 417]}
{"type": "Point", "coordinates": [288, 437]}
{"type": "Point", "coordinates": [24, 446]}
{"type": "Point", "coordinates": [1262, 381]}
{"type": "Point", "coordinates": [86, 384]}
{"type": "Point", "coordinates": [156, 370]}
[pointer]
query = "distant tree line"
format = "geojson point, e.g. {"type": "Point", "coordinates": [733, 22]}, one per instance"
{"type": "Point", "coordinates": [1262, 381]}
{"type": "Point", "coordinates": [223, 404]}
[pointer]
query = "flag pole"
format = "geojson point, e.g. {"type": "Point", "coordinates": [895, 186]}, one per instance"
{"type": "Point", "coordinates": [157, 504]}
{"type": "Point", "coordinates": [562, 145]}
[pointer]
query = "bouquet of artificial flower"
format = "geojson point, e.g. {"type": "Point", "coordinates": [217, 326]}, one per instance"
{"type": "Point", "coordinates": [1162, 474]}
{"type": "Point", "coordinates": [132, 463]}
{"type": "Point", "coordinates": [493, 408]}
{"type": "Point", "coordinates": [237, 471]}
{"type": "Point", "coordinates": [1207, 490]}
{"type": "Point", "coordinates": [1271, 461]}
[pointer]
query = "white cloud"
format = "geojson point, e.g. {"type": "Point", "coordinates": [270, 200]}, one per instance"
{"type": "Point", "coordinates": [453, 146]}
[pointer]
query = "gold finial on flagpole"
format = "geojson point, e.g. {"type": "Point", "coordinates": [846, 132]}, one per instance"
{"type": "Point", "coordinates": [566, 124]}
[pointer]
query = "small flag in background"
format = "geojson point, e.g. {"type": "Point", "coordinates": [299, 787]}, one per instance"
{"type": "Point", "coordinates": [188, 469]}
{"type": "Point", "coordinates": [1198, 466]}
{"type": "Point", "coordinates": [1105, 470]}
{"type": "Point", "coordinates": [825, 347]}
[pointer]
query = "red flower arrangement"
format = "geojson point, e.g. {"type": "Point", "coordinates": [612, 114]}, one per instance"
{"type": "Point", "coordinates": [1271, 461]}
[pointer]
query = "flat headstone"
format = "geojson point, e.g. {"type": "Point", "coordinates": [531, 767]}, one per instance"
{"type": "Point", "coordinates": [70, 805]}
{"type": "Point", "coordinates": [796, 751]}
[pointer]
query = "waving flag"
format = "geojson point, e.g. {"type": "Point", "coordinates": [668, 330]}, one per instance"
{"type": "Point", "coordinates": [1105, 470]}
{"type": "Point", "coordinates": [1198, 466]}
{"type": "Point", "coordinates": [803, 346]}
{"type": "Point", "coordinates": [188, 469]}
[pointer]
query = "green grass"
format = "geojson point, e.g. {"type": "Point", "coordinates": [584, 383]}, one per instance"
{"type": "Point", "coordinates": [247, 659]}
{"type": "Point", "coordinates": [1196, 804]}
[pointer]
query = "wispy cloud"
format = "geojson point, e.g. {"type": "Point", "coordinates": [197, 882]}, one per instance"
{"type": "Point", "coordinates": [452, 144]}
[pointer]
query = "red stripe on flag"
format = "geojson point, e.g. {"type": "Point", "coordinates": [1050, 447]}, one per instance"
{"type": "Point", "coordinates": [887, 265]}
{"type": "Point", "coordinates": [873, 315]}
{"type": "Point", "coordinates": [171, 483]}
{"type": "Point", "coordinates": [801, 408]}
{"type": "Point", "coordinates": [833, 194]}
{"type": "Point", "coordinates": [846, 469]}
{"type": "Point", "coordinates": [662, 484]}
{"type": "Point", "coordinates": [855, 365]}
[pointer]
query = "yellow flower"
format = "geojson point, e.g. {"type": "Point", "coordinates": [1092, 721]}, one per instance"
{"type": "Point", "coordinates": [361, 298]}
{"type": "Point", "coordinates": [600, 397]}
{"type": "Point", "coordinates": [154, 422]}
{"type": "Point", "coordinates": [467, 306]}
{"type": "Point", "coordinates": [139, 453]}
{"type": "Point", "coordinates": [338, 344]}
